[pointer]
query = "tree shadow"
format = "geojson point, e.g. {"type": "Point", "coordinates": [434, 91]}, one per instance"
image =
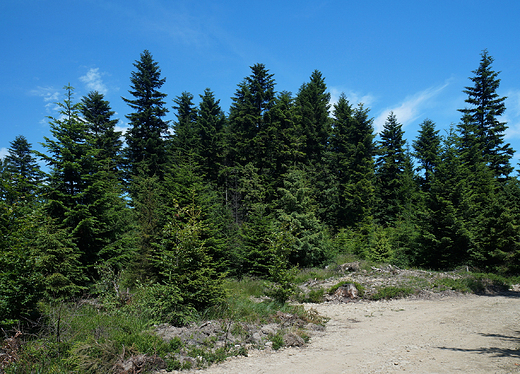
{"type": "Point", "coordinates": [491, 293]}
{"type": "Point", "coordinates": [494, 351]}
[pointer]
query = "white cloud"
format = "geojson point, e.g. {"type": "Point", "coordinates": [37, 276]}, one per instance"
{"type": "Point", "coordinates": [50, 96]}
{"type": "Point", "coordinates": [353, 98]}
{"type": "Point", "coordinates": [411, 108]}
{"type": "Point", "coordinates": [121, 126]}
{"type": "Point", "coordinates": [3, 152]}
{"type": "Point", "coordinates": [93, 81]}
{"type": "Point", "coordinates": [512, 114]}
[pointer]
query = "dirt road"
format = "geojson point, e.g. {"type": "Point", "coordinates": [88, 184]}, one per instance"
{"type": "Point", "coordinates": [455, 334]}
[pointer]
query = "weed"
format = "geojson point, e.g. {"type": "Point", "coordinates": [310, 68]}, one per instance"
{"type": "Point", "coordinates": [314, 296]}
{"type": "Point", "coordinates": [277, 340]}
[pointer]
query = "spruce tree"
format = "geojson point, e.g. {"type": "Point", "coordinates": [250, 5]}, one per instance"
{"type": "Point", "coordinates": [84, 194]}
{"type": "Point", "coordinates": [312, 113]}
{"type": "Point", "coordinates": [185, 142]}
{"type": "Point", "coordinates": [101, 128]}
{"type": "Point", "coordinates": [312, 104]}
{"type": "Point", "coordinates": [482, 118]}
{"type": "Point", "coordinates": [445, 237]}
{"type": "Point", "coordinates": [390, 167]}
{"type": "Point", "coordinates": [427, 152]}
{"type": "Point", "coordinates": [70, 161]}
{"type": "Point", "coordinates": [25, 173]}
{"type": "Point", "coordinates": [297, 213]}
{"type": "Point", "coordinates": [249, 117]}
{"type": "Point", "coordinates": [146, 138]}
{"type": "Point", "coordinates": [211, 122]}
{"type": "Point", "coordinates": [248, 141]}
{"type": "Point", "coordinates": [352, 151]}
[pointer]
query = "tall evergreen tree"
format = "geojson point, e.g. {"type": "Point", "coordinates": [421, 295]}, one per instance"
{"type": "Point", "coordinates": [352, 148]}
{"type": "Point", "coordinates": [22, 167]}
{"type": "Point", "coordinates": [146, 145]}
{"type": "Point", "coordinates": [211, 122]}
{"type": "Point", "coordinates": [101, 128]}
{"type": "Point", "coordinates": [84, 193]}
{"type": "Point", "coordinates": [185, 140]}
{"type": "Point", "coordinates": [103, 195]}
{"type": "Point", "coordinates": [70, 159]}
{"type": "Point", "coordinates": [483, 118]}
{"type": "Point", "coordinates": [249, 117]}
{"type": "Point", "coordinates": [287, 138]}
{"type": "Point", "coordinates": [390, 166]}
{"type": "Point", "coordinates": [312, 112]}
{"type": "Point", "coordinates": [248, 140]}
{"type": "Point", "coordinates": [313, 103]}
{"type": "Point", "coordinates": [427, 152]}
{"type": "Point", "coordinates": [444, 236]}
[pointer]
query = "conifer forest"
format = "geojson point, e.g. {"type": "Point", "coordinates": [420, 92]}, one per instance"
{"type": "Point", "coordinates": [193, 193]}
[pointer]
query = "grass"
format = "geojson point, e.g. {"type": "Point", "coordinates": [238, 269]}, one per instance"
{"type": "Point", "coordinates": [392, 292]}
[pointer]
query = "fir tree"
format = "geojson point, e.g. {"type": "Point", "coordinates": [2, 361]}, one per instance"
{"type": "Point", "coordinates": [444, 235]}
{"type": "Point", "coordinates": [211, 122]}
{"type": "Point", "coordinates": [352, 151]}
{"type": "Point", "coordinates": [101, 128]}
{"type": "Point", "coordinates": [482, 118]}
{"type": "Point", "coordinates": [297, 211]}
{"type": "Point", "coordinates": [70, 160]}
{"type": "Point", "coordinates": [390, 169]}
{"type": "Point", "coordinates": [185, 140]}
{"type": "Point", "coordinates": [25, 173]}
{"type": "Point", "coordinates": [249, 118]}
{"type": "Point", "coordinates": [84, 196]}
{"type": "Point", "coordinates": [146, 145]}
{"type": "Point", "coordinates": [312, 103]}
{"type": "Point", "coordinates": [248, 143]}
{"type": "Point", "coordinates": [427, 152]}
{"type": "Point", "coordinates": [312, 114]}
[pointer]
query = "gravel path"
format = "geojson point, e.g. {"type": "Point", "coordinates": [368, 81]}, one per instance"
{"type": "Point", "coordinates": [454, 334]}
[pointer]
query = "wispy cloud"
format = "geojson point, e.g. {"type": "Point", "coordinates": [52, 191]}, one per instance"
{"type": "Point", "coordinates": [50, 96]}
{"type": "Point", "coordinates": [411, 108]}
{"type": "Point", "coordinates": [353, 97]}
{"type": "Point", "coordinates": [3, 152]}
{"type": "Point", "coordinates": [122, 126]}
{"type": "Point", "coordinates": [512, 114]}
{"type": "Point", "coordinates": [93, 81]}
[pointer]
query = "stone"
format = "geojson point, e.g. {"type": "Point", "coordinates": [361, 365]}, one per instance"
{"type": "Point", "coordinates": [292, 340]}
{"type": "Point", "coordinates": [347, 291]}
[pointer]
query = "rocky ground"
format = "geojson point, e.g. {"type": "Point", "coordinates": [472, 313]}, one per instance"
{"type": "Point", "coordinates": [434, 329]}
{"type": "Point", "coordinates": [444, 334]}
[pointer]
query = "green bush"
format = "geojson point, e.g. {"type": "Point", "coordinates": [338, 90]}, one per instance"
{"type": "Point", "coordinates": [162, 303]}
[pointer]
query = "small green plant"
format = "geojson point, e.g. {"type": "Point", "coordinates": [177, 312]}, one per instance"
{"type": "Point", "coordinates": [315, 295]}
{"type": "Point", "coordinates": [392, 292]}
{"type": "Point", "coordinates": [277, 341]}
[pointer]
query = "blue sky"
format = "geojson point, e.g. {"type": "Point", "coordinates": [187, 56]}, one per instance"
{"type": "Point", "coordinates": [412, 57]}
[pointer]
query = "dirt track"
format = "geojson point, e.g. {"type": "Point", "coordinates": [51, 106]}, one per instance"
{"type": "Point", "coordinates": [455, 334]}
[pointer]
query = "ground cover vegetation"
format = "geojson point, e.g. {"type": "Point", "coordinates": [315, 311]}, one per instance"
{"type": "Point", "coordinates": [172, 221]}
